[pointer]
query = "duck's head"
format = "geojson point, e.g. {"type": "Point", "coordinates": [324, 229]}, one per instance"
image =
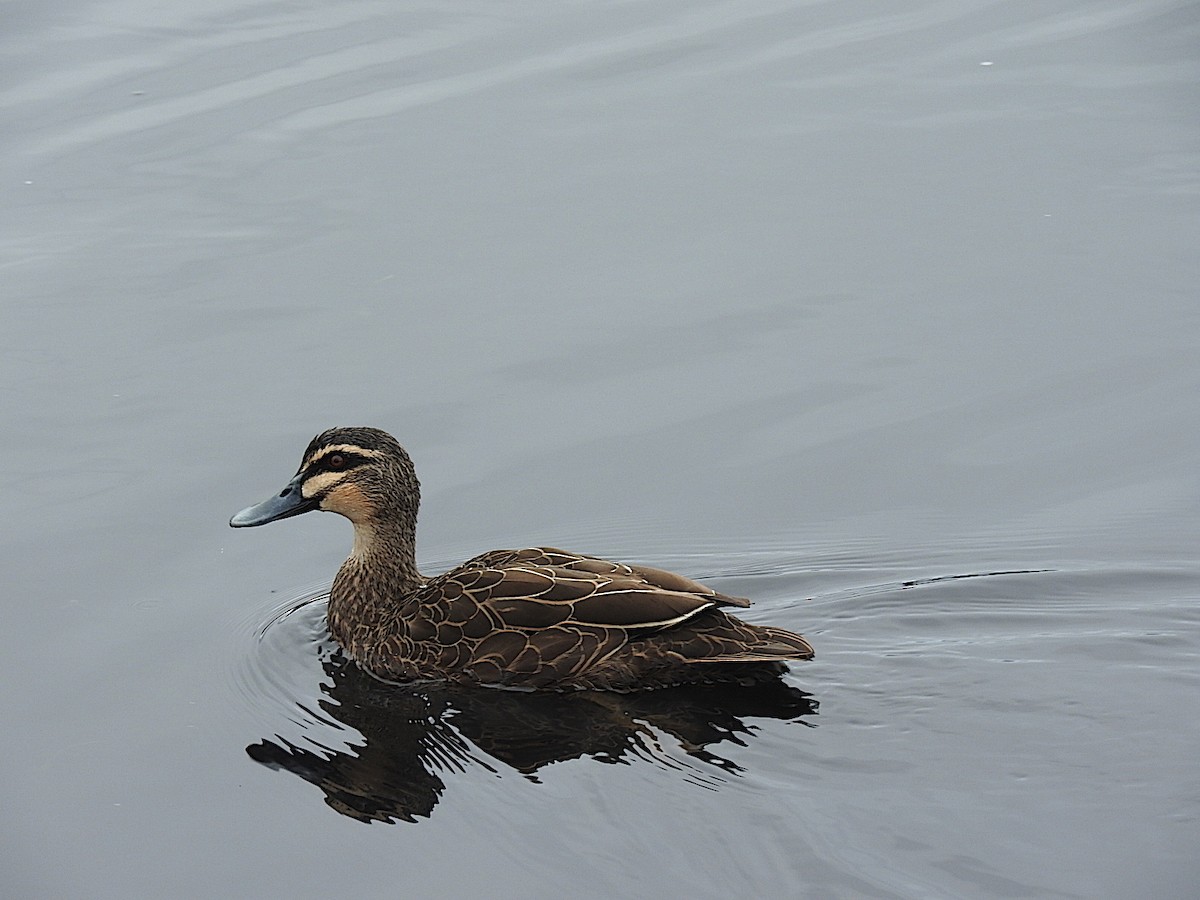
{"type": "Point", "coordinates": [361, 473]}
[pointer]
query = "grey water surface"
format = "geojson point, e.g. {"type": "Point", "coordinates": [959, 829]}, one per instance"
{"type": "Point", "coordinates": [883, 314]}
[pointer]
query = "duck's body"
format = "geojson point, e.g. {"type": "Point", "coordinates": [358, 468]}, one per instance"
{"type": "Point", "coordinates": [545, 618]}
{"type": "Point", "coordinates": [533, 618]}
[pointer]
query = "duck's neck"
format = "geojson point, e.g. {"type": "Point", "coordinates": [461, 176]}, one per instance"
{"type": "Point", "coordinates": [368, 596]}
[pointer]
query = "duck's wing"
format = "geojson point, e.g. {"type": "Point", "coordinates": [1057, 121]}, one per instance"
{"type": "Point", "coordinates": [542, 616]}
{"type": "Point", "coordinates": [532, 597]}
{"type": "Point", "coordinates": [578, 562]}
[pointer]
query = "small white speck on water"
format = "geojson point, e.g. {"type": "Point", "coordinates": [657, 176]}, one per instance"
{"type": "Point", "coordinates": [986, 63]}
{"type": "Point", "coordinates": [29, 182]}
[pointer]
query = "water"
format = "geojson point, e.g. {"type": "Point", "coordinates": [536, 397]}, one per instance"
{"type": "Point", "coordinates": [883, 316]}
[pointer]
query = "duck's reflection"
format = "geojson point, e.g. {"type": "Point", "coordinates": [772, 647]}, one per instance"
{"type": "Point", "coordinates": [410, 734]}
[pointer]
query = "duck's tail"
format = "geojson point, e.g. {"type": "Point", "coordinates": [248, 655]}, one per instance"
{"type": "Point", "coordinates": [755, 643]}
{"type": "Point", "coordinates": [714, 636]}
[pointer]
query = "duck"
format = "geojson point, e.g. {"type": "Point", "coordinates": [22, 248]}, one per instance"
{"type": "Point", "coordinates": [536, 618]}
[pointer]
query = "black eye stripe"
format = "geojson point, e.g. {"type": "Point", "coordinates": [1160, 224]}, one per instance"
{"type": "Point", "coordinates": [323, 464]}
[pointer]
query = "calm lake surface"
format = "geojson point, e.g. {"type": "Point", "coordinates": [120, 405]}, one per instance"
{"type": "Point", "coordinates": [884, 315]}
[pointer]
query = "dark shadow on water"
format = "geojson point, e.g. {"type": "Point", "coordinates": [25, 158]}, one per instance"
{"type": "Point", "coordinates": [411, 735]}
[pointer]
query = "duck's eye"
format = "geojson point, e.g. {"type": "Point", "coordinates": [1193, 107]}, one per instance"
{"type": "Point", "coordinates": [336, 461]}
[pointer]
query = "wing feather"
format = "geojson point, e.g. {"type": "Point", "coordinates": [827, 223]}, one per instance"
{"type": "Point", "coordinates": [536, 596]}
{"type": "Point", "coordinates": [541, 616]}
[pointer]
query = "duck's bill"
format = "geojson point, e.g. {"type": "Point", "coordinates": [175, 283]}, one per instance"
{"type": "Point", "coordinates": [288, 502]}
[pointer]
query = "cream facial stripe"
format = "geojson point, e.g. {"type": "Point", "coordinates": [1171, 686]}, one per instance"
{"type": "Point", "coordinates": [322, 481]}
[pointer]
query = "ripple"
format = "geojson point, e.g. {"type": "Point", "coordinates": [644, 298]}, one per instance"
{"type": "Point", "coordinates": [278, 670]}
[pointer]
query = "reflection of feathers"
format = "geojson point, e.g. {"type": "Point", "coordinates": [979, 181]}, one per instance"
{"type": "Point", "coordinates": [412, 736]}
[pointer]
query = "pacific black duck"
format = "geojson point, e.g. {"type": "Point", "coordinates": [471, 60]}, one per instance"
{"type": "Point", "coordinates": [533, 618]}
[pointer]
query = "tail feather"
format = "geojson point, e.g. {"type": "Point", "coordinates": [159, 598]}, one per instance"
{"type": "Point", "coordinates": [730, 651]}
{"type": "Point", "coordinates": [770, 644]}
{"type": "Point", "coordinates": [717, 637]}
